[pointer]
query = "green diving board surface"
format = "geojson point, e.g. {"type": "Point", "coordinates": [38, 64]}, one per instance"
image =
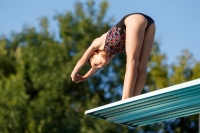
{"type": "Point", "coordinates": [168, 103]}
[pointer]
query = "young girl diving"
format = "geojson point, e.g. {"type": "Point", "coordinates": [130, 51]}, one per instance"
{"type": "Point", "coordinates": [133, 35]}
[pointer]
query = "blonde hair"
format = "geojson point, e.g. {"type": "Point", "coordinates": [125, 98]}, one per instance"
{"type": "Point", "coordinates": [92, 56]}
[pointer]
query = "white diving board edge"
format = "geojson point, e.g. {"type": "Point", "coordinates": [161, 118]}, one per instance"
{"type": "Point", "coordinates": [168, 103]}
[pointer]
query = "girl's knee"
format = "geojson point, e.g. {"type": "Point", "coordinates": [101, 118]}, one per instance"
{"type": "Point", "coordinates": [133, 62]}
{"type": "Point", "coordinates": [142, 67]}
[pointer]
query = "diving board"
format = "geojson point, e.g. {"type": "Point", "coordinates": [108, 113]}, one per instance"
{"type": "Point", "coordinates": [157, 106]}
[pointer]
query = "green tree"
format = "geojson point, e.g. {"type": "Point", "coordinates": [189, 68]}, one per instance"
{"type": "Point", "coordinates": [12, 91]}
{"type": "Point", "coordinates": [157, 69]}
{"type": "Point", "coordinates": [48, 100]}
{"type": "Point", "coordinates": [36, 91]}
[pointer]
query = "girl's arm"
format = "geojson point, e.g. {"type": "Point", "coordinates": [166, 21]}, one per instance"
{"type": "Point", "coordinates": [111, 57]}
{"type": "Point", "coordinates": [91, 72]}
{"type": "Point", "coordinates": [94, 46]}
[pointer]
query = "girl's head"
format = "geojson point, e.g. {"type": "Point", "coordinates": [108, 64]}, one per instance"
{"type": "Point", "coordinates": [99, 59]}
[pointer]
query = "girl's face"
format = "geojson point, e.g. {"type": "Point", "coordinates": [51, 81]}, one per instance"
{"type": "Point", "coordinates": [99, 61]}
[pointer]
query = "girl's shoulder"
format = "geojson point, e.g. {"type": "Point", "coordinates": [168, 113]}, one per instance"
{"type": "Point", "coordinates": [99, 42]}
{"type": "Point", "coordinates": [96, 43]}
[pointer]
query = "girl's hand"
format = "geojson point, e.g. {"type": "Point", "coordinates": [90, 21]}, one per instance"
{"type": "Point", "coordinates": [78, 78]}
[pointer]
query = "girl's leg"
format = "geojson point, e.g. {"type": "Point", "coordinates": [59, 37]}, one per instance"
{"type": "Point", "coordinates": [135, 29]}
{"type": "Point", "coordinates": [144, 56]}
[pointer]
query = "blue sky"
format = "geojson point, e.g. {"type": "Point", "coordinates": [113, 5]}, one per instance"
{"type": "Point", "coordinates": [177, 21]}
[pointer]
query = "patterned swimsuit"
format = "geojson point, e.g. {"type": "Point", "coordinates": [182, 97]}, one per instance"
{"type": "Point", "coordinates": [116, 37]}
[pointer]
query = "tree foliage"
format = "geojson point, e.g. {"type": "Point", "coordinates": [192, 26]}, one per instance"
{"type": "Point", "coordinates": [37, 94]}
